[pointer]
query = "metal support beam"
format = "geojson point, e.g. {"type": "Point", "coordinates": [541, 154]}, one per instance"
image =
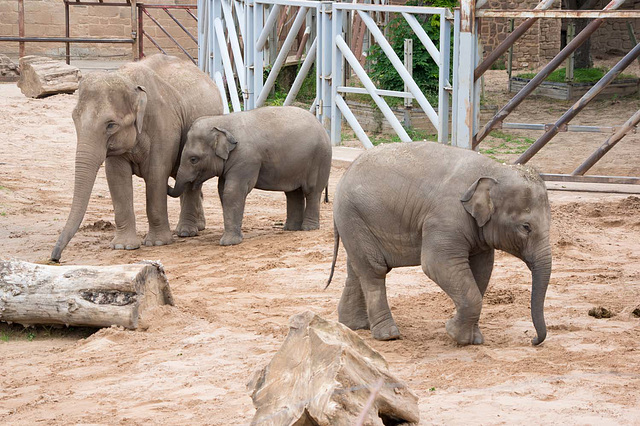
{"type": "Point", "coordinates": [302, 74]}
{"type": "Point", "coordinates": [608, 144]}
{"type": "Point", "coordinates": [628, 59]}
{"type": "Point", "coordinates": [543, 74]}
{"type": "Point", "coordinates": [282, 56]}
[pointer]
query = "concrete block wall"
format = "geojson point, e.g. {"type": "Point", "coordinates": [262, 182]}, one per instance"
{"type": "Point", "coordinates": [46, 18]}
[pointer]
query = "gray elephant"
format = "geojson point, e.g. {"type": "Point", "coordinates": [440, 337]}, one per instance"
{"type": "Point", "coordinates": [271, 148]}
{"type": "Point", "coordinates": [136, 120]}
{"type": "Point", "coordinates": [448, 210]}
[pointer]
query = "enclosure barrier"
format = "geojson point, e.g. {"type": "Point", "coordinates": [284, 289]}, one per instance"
{"type": "Point", "coordinates": [67, 39]}
{"type": "Point", "coordinates": [467, 90]}
{"type": "Point", "coordinates": [143, 10]}
{"type": "Point", "coordinates": [327, 27]}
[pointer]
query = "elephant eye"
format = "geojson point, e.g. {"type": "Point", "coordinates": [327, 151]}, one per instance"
{"type": "Point", "coordinates": [111, 126]}
{"type": "Point", "coordinates": [527, 227]}
{"type": "Point", "coordinates": [194, 160]}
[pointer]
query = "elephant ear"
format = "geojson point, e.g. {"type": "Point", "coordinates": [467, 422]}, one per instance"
{"type": "Point", "coordinates": [140, 107]}
{"type": "Point", "coordinates": [477, 200]}
{"type": "Point", "coordinates": [224, 144]}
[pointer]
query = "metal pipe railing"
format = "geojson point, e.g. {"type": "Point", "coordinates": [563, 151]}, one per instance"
{"type": "Point", "coordinates": [608, 144]}
{"type": "Point", "coordinates": [155, 21]}
{"type": "Point", "coordinates": [195, 40]}
{"type": "Point", "coordinates": [575, 109]}
{"type": "Point", "coordinates": [543, 74]}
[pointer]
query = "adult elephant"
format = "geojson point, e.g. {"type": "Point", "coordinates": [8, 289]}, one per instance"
{"type": "Point", "coordinates": [136, 121]}
{"type": "Point", "coordinates": [448, 210]}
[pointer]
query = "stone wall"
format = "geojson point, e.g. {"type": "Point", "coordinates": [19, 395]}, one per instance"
{"type": "Point", "coordinates": [613, 38]}
{"type": "Point", "coordinates": [46, 18]}
{"type": "Point", "coordinates": [535, 48]}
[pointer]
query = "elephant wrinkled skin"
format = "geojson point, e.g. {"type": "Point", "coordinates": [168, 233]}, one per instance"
{"type": "Point", "coordinates": [446, 209]}
{"type": "Point", "coordinates": [136, 120]}
{"type": "Point", "coordinates": [270, 148]}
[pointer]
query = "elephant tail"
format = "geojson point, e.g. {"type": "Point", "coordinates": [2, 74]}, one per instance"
{"type": "Point", "coordinates": [336, 244]}
{"type": "Point", "coordinates": [326, 194]}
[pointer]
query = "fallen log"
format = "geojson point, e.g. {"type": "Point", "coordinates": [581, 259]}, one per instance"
{"type": "Point", "coordinates": [41, 76]}
{"type": "Point", "coordinates": [95, 296]}
{"type": "Point", "coordinates": [324, 374]}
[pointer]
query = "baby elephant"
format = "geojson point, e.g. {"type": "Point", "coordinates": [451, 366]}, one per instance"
{"type": "Point", "coordinates": [271, 148]}
{"type": "Point", "coordinates": [448, 210]}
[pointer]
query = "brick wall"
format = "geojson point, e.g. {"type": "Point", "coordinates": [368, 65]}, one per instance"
{"type": "Point", "coordinates": [46, 18]}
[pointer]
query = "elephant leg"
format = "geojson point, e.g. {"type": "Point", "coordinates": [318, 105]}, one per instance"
{"type": "Point", "coordinates": [159, 232]}
{"type": "Point", "coordinates": [312, 211]}
{"type": "Point", "coordinates": [383, 327]}
{"type": "Point", "coordinates": [233, 202]}
{"type": "Point", "coordinates": [191, 213]}
{"type": "Point", "coordinates": [352, 309]}
{"type": "Point", "coordinates": [221, 189]}
{"type": "Point", "coordinates": [295, 210]}
{"type": "Point", "coordinates": [453, 274]}
{"type": "Point", "coordinates": [482, 266]}
{"type": "Point", "coordinates": [119, 177]}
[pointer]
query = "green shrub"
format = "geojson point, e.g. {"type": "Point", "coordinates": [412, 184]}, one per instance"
{"type": "Point", "coordinates": [425, 70]}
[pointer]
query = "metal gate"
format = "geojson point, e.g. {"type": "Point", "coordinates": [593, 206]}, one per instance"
{"type": "Point", "coordinates": [327, 47]}
{"type": "Point", "coordinates": [233, 35]}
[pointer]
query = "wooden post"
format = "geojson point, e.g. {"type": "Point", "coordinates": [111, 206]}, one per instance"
{"type": "Point", "coordinates": [96, 296]}
{"type": "Point", "coordinates": [21, 25]}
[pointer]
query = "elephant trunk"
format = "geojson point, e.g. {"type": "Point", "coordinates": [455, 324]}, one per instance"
{"type": "Point", "coordinates": [540, 274]}
{"type": "Point", "coordinates": [177, 189]}
{"type": "Point", "coordinates": [88, 163]}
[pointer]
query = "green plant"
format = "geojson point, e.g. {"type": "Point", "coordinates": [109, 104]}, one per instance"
{"type": "Point", "coordinates": [425, 70]}
{"type": "Point", "coordinates": [4, 336]}
{"type": "Point", "coordinates": [31, 335]}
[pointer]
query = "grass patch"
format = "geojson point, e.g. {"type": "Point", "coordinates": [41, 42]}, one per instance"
{"type": "Point", "coordinates": [580, 75]}
{"type": "Point", "coordinates": [414, 134]}
{"type": "Point", "coordinates": [509, 145]}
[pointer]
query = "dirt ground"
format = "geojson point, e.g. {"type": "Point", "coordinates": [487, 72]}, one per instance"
{"type": "Point", "coordinates": [233, 303]}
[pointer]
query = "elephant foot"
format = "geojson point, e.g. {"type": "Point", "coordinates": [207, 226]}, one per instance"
{"type": "Point", "coordinates": [125, 242]}
{"type": "Point", "coordinates": [310, 226]}
{"type": "Point", "coordinates": [386, 330]}
{"type": "Point", "coordinates": [158, 239]}
{"type": "Point", "coordinates": [229, 239]}
{"type": "Point", "coordinates": [464, 334]}
{"type": "Point", "coordinates": [288, 226]}
{"type": "Point", "coordinates": [354, 322]}
{"type": "Point", "coordinates": [187, 230]}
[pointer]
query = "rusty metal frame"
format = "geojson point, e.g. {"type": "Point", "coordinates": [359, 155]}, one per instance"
{"type": "Point", "coordinates": [67, 39]}
{"type": "Point", "coordinates": [143, 10]}
{"type": "Point", "coordinates": [562, 124]}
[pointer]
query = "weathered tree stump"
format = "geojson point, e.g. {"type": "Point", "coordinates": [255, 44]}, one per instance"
{"type": "Point", "coordinates": [41, 76]}
{"type": "Point", "coordinates": [8, 70]}
{"type": "Point", "coordinates": [323, 375]}
{"type": "Point", "coordinates": [96, 296]}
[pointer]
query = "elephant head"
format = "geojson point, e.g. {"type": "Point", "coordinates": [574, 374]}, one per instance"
{"type": "Point", "coordinates": [513, 215]}
{"type": "Point", "coordinates": [108, 117]}
{"type": "Point", "coordinates": [204, 155]}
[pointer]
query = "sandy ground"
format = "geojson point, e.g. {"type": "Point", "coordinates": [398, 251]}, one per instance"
{"type": "Point", "coordinates": [233, 303]}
